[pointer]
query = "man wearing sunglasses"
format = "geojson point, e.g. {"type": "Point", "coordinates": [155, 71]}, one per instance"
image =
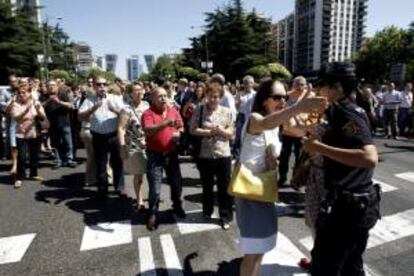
{"type": "Point", "coordinates": [102, 111]}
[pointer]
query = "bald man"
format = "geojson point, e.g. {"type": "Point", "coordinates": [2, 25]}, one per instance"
{"type": "Point", "coordinates": [163, 127]}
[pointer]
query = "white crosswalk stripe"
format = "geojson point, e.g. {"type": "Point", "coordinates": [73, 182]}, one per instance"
{"type": "Point", "coordinates": [106, 234]}
{"type": "Point", "coordinates": [392, 228]}
{"type": "Point", "coordinates": [385, 188]}
{"type": "Point", "coordinates": [408, 176]}
{"type": "Point", "coordinates": [146, 257]}
{"type": "Point", "coordinates": [172, 261]}
{"type": "Point", "coordinates": [12, 249]}
{"type": "Point", "coordinates": [194, 223]}
{"type": "Point", "coordinates": [283, 259]}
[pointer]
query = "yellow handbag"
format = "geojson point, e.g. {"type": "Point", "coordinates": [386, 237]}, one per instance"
{"type": "Point", "coordinates": [254, 186]}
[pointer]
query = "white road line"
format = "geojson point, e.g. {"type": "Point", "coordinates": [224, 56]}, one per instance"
{"type": "Point", "coordinates": [409, 176]}
{"type": "Point", "coordinates": [146, 257]}
{"type": "Point", "coordinates": [388, 229]}
{"type": "Point", "coordinates": [392, 228]}
{"type": "Point", "coordinates": [172, 262]}
{"type": "Point", "coordinates": [283, 259]}
{"type": "Point", "coordinates": [106, 234]}
{"type": "Point", "coordinates": [13, 248]}
{"type": "Point", "coordinates": [385, 187]}
{"type": "Point", "coordinates": [194, 223]}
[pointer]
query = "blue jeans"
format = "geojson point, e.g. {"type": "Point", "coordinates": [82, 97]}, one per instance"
{"type": "Point", "coordinates": [61, 141]}
{"type": "Point", "coordinates": [404, 119]}
{"type": "Point", "coordinates": [155, 165]}
{"type": "Point", "coordinates": [240, 120]}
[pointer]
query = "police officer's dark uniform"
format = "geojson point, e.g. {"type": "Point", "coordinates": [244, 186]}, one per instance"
{"type": "Point", "coordinates": [351, 207]}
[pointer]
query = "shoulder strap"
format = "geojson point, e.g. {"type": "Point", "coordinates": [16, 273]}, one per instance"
{"type": "Point", "coordinates": [200, 119]}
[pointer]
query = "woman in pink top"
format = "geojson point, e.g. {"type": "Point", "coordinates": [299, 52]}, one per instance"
{"type": "Point", "coordinates": [26, 112]}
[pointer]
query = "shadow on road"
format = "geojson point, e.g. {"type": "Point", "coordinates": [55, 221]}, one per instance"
{"type": "Point", "coordinates": [70, 191]}
{"type": "Point", "coordinates": [225, 268]}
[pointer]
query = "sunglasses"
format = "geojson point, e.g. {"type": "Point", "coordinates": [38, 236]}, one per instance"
{"type": "Point", "coordinates": [279, 97]}
{"type": "Point", "coordinates": [100, 84]}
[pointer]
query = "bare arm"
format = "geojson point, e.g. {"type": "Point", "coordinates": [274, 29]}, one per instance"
{"type": "Point", "coordinates": [366, 157]}
{"type": "Point", "coordinates": [121, 129]}
{"type": "Point", "coordinates": [84, 115]}
{"type": "Point", "coordinates": [151, 130]}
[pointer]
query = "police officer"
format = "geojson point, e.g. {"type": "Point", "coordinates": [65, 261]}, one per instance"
{"type": "Point", "coordinates": [351, 207]}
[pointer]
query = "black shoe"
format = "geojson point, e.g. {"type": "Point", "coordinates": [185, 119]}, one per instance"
{"type": "Point", "coordinates": [56, 166]}
{"type": "Point", "coordinates": [179, 212]}
{"type": "Point", "coordinates": [70, 164]}
{"type": "Point", "coordinates": [152, 223]}
{"type": "Point", "coordinates": [207, 217]}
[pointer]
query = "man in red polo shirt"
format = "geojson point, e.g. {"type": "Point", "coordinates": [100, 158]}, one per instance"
{"type": "Point", "coordinates": [163, 126]}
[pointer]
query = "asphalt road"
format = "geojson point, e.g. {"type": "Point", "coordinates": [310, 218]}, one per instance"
{"type": "Point", "coordinates": [57, 228]}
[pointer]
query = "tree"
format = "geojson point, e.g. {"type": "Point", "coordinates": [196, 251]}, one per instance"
{"type": "Point", "coordinates": [259, 72]}
{"type": "Point", "coordinates": [20, 42]}
{"type": "Point", "coordinates": [388, 47]}
{"type": "Point", "coordinates": [145, 77]}
{"type": "Point", "coordinates": [96, 72]}
{"type": "Point", "coordinates": [279, 72]}
{"type": "Point", "coordinates": [163, 69]}
{"type": "Point", "coordinates": [59, 74]}
{"type": "Point", "coordinates": [187, 72]}
{"type": "Point", "coordinates": [234, 40]}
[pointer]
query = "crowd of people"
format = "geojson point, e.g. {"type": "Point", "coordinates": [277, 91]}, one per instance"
{"type": "Point", "coordinates": [142, 129]}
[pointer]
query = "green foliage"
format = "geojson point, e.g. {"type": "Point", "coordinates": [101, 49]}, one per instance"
{"type": "Point", "coordinates": [145, 77]}
{"type": "Point", "coordinates": [59, 74]}
{"type": "Point", "coordinates": [274, 70]}
{"type": "Point", "coordinates": [22, 40]}
{"type": "Point", "coordinates": [187, 72]}
{"type": "Point", "coordinates": [388, 47]}
{"type": "Point", "coordinates": [163, 69]}
{"type": "Point", "coordinates": [96, 72]}
{"type": "Point", "coordinates": [258, 72]}
{"type": "Point", "coordinates": [235, 40]}
{"type": "Point", "coordinates": [203, 77]}
{"type": "Point", "coordinates": [278, 71]}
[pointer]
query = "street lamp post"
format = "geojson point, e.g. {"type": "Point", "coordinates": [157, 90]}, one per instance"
{"type": "Point", "coordinates": [45, 53]}
{"type": "Point", "coordinates": [207, 63]}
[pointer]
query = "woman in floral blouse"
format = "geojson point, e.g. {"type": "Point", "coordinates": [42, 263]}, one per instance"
{"type": "Point", "coordinates": [131, 138]}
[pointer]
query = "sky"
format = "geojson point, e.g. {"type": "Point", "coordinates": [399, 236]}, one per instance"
{"type": "Point", "coordinates": [139, 27]}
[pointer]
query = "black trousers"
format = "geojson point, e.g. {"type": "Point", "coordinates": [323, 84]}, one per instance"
{"type": "Point", "coordinates": [216, 171]}
{"type": "Point", "coordinates": [390, 120]}
{"type": "Point", "coordinates": [27, 149]}
{"type": "Point", "coordinates": [341, 240]}
{"type": "Point", "coordinates": [106, 145]}
{"type": "Point", "coordinates": [288, 144]}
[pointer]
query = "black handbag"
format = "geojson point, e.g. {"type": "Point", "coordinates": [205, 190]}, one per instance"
{"type": "Point", "coordinates": [196, 140]}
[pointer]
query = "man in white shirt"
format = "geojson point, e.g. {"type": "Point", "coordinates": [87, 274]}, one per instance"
{"type": "Point", "coordinates": [404, 114]}
{"type": "Point", "coordinates": [244, 104]}
{"type": "Point", "coordinates": [391, 102]}
{"type": "Point", "coordinates": [227, 100]}
{"type": "Point", "coordinates": [102, 110]}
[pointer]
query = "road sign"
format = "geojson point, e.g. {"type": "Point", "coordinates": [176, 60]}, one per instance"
{"type": "Point", "coordinates": [397, 72]}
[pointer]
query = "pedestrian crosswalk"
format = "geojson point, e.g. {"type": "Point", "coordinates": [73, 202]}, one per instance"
{"type": "Point", "coordinates": [12, 249]}
{"type": "Point", "coordinates": [282, 260]}
{"type": "Point", "coordinates": [106, 234]}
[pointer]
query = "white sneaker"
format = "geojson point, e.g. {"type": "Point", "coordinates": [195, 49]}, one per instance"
{"type": "Point", "coordinates": [18, 184]}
